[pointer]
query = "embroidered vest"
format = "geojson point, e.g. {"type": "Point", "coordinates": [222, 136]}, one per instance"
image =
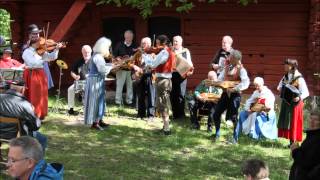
{"type": "Point", "coordinates": [169, 65]}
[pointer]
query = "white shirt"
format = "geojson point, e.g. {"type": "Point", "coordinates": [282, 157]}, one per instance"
{"type": "Point", "coordinates": [102, 66]}
{"type": "Point", "coordinates": [159, 59]}
{"type": "Point", "coordinates": [33, 60]}
{"type": "Point", "coordinates": [245, 81]}
{"type": "Point", "coordinates": [265, 93]}
{"type": "Point", "coordinates": [302, 84]}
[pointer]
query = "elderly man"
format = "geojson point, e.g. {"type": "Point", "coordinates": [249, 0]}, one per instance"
{"type": "Point", "coordinates": [218, 61]}
{"type": "Point", "coordinates": [125, 48]}
{"type": "Point", "coordinates": [79, 72]}
{"type": "Point", "coordinates": [179, 83]}
{"type": "Point", "coordinates": [26, 161]}
{"type": "Point", "coordinates": [200, 101]}
{"type": "Point", "coordinates": [8, 62]}
{"type": "Point", "coordinates": [255, 122]}
{"type": "Point", "coordinates": [231, 97]}
{"type": "Point", "coordinates": [14, 104]}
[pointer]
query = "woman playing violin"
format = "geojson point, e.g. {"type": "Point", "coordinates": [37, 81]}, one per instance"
{"type": "Point", "coordinates": [35, 78]}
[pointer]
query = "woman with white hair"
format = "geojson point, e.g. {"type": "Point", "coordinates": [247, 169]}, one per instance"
{"type": "Point", "coordinates": [95, 85]}
{"type": "Point", "coordinates": [258, 119]}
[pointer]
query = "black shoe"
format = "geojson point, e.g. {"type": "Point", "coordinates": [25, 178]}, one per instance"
{"type": "Point", "coordinates": [72, 112]}
{"type": "Point", "coordinates": [96, 126]}
{"type": "Point", "coordinates": [167, 133]}
{"type": "Point", "coordinates": [103, 124]}
{"type": "Point", "coordinates": [195, 126]}
{"type": "Point", "coordinates": [209, 129]}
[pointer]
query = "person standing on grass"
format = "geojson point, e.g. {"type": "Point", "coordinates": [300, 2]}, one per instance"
{"type": "Point", "coordinates": [163, 63]}
{"type": "Point", "coordinates": [95, 85]}
{"type": "Point", "coordinates": [290, 124]}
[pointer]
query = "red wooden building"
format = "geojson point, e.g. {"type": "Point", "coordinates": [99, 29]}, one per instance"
{"type": "Point", "coordinates": [266, 32]}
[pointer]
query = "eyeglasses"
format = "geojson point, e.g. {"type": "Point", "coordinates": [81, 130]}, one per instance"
{"type": "Point", "coordinates": [12, 161]}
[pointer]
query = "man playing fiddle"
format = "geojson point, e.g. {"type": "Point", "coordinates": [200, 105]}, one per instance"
{"type": "Point", "coordinates": [35, 78]}
{"type": "Point", "coordinates": [231, 98]}
{"type": "Point", "coordinates": [163, 64]}
{"type": "Point", "coordinates": [145, 87]}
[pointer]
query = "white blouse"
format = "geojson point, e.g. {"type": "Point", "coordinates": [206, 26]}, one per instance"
{"type": "Point", "coordinates": [265, 93]}
{"type": "Point", "coordinates": [33, 60]}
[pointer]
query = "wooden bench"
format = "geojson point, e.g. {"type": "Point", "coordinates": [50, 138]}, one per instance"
{"type": "Point", "coordinates": [15, 121]}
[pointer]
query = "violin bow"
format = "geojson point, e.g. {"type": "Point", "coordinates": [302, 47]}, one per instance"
{"type": "Point", "coordinates": [153, 40]}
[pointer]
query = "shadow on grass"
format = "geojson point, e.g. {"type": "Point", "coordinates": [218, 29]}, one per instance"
{"type": "Point", "coordinates": [124, 152]}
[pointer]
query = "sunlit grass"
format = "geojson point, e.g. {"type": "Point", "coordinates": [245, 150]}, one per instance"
{"type": "Point", "coordinates": [132, 148]}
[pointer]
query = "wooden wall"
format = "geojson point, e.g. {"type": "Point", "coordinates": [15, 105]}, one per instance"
{"type": "Point", "coordinates": [266, 32]}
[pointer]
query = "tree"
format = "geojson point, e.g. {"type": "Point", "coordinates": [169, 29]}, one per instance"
{"type": "Point", "coordinates": [5, 32]}
{"type": "Point", "coordinates": [146, 6]}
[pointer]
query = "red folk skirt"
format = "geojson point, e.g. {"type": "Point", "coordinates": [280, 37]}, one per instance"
{"type": "Point", "coordinates": [294, 133]}
{"type": "Point", "coordinates": [37, 90]}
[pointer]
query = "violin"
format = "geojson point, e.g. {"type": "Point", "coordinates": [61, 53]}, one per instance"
{"type": "Point", "coordinates": [48, 45]}
{"type": "Point", "coordinates": [154, 50]}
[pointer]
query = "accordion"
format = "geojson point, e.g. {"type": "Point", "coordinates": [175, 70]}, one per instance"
{"type": "Point", "coordinates": [288, 92]}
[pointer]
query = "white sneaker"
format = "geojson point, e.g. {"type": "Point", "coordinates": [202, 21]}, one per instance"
{"type": "Point", "coordinates": [229, 123]}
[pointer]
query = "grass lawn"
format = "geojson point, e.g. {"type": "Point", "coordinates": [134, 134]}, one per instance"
{"type": "Point", "coordinates": [134, 149]}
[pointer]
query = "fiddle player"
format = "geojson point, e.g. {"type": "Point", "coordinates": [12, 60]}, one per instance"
{"type": "Point", "coordinates": [258, 124]}
{"type": "Point", "coordinates": [201, 102]}
{"type": "Point", "coordinates": [78, 72]}
{"type": "Point", "coordinates": [122, 49]}
{"type": "Point", "coordinates": [145, 88]}
{"type": "Point", "coordinates": [179, 83]}
{"type": "Point", "coordinates": [218, 61]}
{"type": "Point", "coordinates": [163, 64]}
{"type": "Point", "coordinates": [33, 35]}
{"type": "Point", "coordinates": [231, 97]}
{"type": "Point", "coordinates": [290, 124]}
{"type": "Point", "coordinates": [35, 78]}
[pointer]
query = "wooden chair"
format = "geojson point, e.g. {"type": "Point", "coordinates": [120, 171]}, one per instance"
{"type": "Point", "coordinates": [15, 121]}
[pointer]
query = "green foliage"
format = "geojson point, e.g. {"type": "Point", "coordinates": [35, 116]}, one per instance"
{"type": "Point", "coordinates": [146, 6]}
{"type": "Point", "coordinates": [5, 24]}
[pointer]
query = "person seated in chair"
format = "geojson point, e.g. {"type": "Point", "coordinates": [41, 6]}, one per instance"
{"type": "Point", "coordinates": [200, 101]}
{"type": "Point", "coordinates": [78, 72]}
{"type": "Point", "coordinates": [306, 159]}
{"type": "Point", "coordinates": [8, 62]}
{"type": "Point", "coordinates": [258, 119]}
{"type": "Point", "coordinates": [26, 161]}
{"type": "Point", "coordinates": [14, 104]}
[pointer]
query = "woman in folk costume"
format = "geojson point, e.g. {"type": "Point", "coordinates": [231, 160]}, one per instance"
{"type": "Point", "coordinates": [95, 85]}
{"type": "Point", "coordinates": [35, 77]}
{"type": "Point", "coordinates": [290, 123]}
{"type": "Point", "coordinates": [260, 123]}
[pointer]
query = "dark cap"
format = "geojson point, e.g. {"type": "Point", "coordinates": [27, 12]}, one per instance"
{"type": "Point", "coordinates": [32, 28]}
{"type": "Point", "coordinates": [7, 50]}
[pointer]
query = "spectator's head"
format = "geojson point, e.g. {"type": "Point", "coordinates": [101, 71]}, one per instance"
{"type": "Point", "coordinates": [212, 75]}
{"type": "Point", "coordinates": [128, 36]}
{"type": "Point", "coordinates": [258, 83]}
{"type": "Point", "coordinates": [314, 120]}
{"type": "Point", "coordinates": [145, 43]}
{"type": "Point", "coordinates": [102, 46]}
{"type": "Point", "coordinates": [24, 153]}
{"type": "Point", "coordinates": [162, 40]}
{"type": "Point", "coordinates": [290, 65]}
{"type": "Point", "coordinates": [255, 169]}
{"type": "Point", "coordinates": [227, 43]}
{"type": "Point", "coordinates": [235, 57]}
{"type": "Point", "coordinates": [177, 42]}
{"type": "Point", "coordinates": [7, 52]}
{"type": "Point", "coordinates": [86, 52]}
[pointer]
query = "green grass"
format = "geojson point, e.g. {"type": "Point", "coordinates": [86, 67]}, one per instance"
{"type": "Point", "coordinates": [134, 149]}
